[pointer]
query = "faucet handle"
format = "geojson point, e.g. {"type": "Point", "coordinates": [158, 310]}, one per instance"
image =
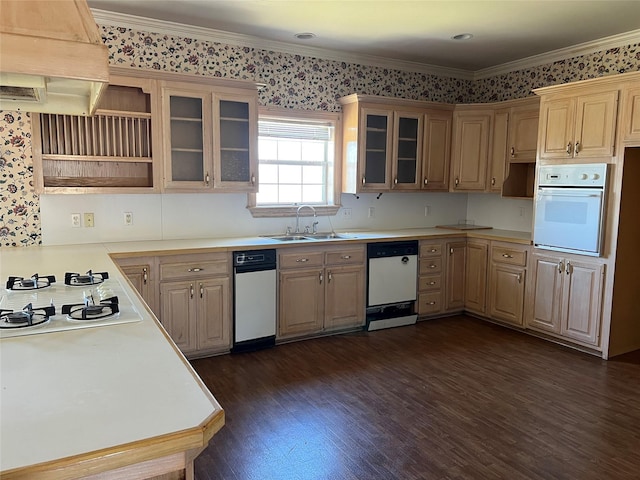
{"type": "Point", "coordinates": [314, 227]}
{"type": "Point", "coordinates": [306, 229]}
{"type": "Point", "coordinates": [288, 231]}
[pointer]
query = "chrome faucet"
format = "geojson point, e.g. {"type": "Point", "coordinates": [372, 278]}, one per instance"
{"type": "Point", "coordinates": [298, 217]}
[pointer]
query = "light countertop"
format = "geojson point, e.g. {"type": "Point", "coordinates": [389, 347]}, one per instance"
{"type": "Point", "coordinates": [82, 394]}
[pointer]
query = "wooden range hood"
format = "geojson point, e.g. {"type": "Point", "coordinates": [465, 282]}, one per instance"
{"type": "Point", "coordinates": [52, 59]}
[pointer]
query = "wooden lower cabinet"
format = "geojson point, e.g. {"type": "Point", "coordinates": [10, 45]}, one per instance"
{"type": "Point", "coordinates": [195, 302]}
{"type": "Point", "coordinates": [142, 273]}
{"type": "Point", "coordinates": [320, 290]}
{"type": "Point", "coordinates": [476, 276]}
{"type": "Point", "coordinates": [301, 302]}
{"type": "Point", "coordinates": [430, 284]}
{"type": "Point", "coordinates": [507, 282]}
{"type": "Point", "coordinates": [455, 275]}
{"type": "Point", "coordinates": [566, 297]}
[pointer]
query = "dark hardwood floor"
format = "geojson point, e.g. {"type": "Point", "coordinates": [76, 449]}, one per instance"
{"type": "Point", "coordinates": [454, 398]}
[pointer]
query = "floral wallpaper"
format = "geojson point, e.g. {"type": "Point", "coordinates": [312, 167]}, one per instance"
{"type": "Point", "coordinates": [292, 81]}
{"type": "Point", "coordinates": [19, 205]}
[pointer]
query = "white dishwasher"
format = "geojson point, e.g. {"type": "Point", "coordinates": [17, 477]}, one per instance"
{"type": "Point", "coordinates": [254, 306]}
{"type": "Point", "coordinates": [392, 284]}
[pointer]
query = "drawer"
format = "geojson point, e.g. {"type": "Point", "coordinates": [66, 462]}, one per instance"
{"type": "Point", "coordinates": [345, 257]}
{"type": "Point", "coordinates": [429, 303]}
{"type": "Point", "coordinates": [300, 259]}
{"type": "Point", "coordinates": [430, 265]}
{"type": "Point", "coordinates": [180, 270]}
{"type": "Point", "coordinates": [431, 282]}
{"type": "Point", "coordinates": [509, 255]}
{"type": "Point", "coordinates": [430, 249]}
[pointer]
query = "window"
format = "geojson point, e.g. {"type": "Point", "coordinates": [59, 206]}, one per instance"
{"type": "Point", "coordinates": [297, 162]}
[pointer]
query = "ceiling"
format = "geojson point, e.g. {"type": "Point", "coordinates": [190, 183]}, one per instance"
{"type": "Point", "coordinates": [417, 31]}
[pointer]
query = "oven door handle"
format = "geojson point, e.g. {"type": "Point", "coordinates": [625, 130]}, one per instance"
{"type": "Point", "coordinates": [573, 194]}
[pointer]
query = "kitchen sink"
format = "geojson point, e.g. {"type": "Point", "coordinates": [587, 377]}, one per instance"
{"type": "Point", "coordinates": [309, 236]}
{"type": "Point", "coordinates": [288, 238]}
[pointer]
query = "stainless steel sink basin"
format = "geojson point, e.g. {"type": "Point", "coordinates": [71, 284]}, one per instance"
{"type": "Point", "coordinates": [288, 238]}
{"type": "Point", "coordinates": [325, 236]}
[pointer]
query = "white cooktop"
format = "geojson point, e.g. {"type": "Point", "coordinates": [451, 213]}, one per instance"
{"type": "Point", "coordinates": [60, 294]}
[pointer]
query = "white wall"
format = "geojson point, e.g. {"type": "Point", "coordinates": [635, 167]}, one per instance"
{"type": "Point", "coordinates": [177, 216]}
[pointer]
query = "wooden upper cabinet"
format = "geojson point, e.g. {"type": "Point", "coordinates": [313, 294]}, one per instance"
{"type": "Point", "coordinates": [523, 132]}
{"type": "Point", "coordinates": [236, 155]}
{"type": "Point", "coordinates": [436, 151]}
{"type": "Point", "coordinates": [375, 153]}
{"type": "Point", "coordinates": [580, 126]}
{"type": "Point", "coordinates": [631, 115]}
{"type": "Point", "coordinates": [114, 151]}
{"type": "Point", "coordinates": [470, 149]}
{"type": "Point", "coordinates": [187, 137]}
{"type": "Point", "coordinates": [498, 157]}
{"type": "Point", "coordinates": [406, 155]}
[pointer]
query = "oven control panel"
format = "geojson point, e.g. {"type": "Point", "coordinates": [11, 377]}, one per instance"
{"type": "Point", "coordinates": [582, 175]}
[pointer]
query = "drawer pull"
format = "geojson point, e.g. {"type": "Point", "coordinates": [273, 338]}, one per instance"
{"type": "Point", "coordinates": [506, 255]}
{"type": "Point", "coordinates": [433, 250]}
{"type": "Point", "coordinates": [195, 269]}
{"type": "Point", "coordinates": [345, 257]}
{"type": "Point", "coordinates": [431, 303]}
{"type": "Point", "coordinates": [431, 283]}
{"type": "Point", "coordinates": [302, 260]}
{"type": "Point", "coordinates": [432, 266]}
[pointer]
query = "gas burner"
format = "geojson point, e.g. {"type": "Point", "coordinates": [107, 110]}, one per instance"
{"type": "Point", "coordinates": [90, 278]}
{"type": "Point", "coordinates": [34, 283]}
{"type": "Point", "coordinates": [89, 310]}
{"type": "Point", "coordinates": [28, 317]}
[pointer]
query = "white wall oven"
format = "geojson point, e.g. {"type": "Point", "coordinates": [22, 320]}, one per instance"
{"type": "Point", "coordinates": [570, 207]}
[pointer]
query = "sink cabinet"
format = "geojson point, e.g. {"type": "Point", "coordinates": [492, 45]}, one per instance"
{"type": "Point", "coordinates": [195, 302]}
{"type": "Point", "coordinates": [320, 290]}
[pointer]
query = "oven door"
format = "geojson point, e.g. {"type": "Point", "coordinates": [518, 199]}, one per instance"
{"type": "Point", "coordinates": [569, 219]}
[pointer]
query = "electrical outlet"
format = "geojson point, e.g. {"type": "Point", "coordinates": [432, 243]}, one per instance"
{"type": "Point", "coordinates": [346, 212]}
{"type": "Point", "coordinates": [521, 209]}
{"type": "Point", "coordinates": [75, 220]}
{"type": "Point", "coordinates": [372, 212]}
{"type": "Point", "coordinates": [128, 218]}
{"type": "Point", "coordinates": [427, 210]}
{"type": "Point", "coordinates": [88, 219]}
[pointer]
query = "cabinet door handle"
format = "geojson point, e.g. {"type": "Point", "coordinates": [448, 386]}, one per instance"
{"type": "Point", "coordinates": [253, 179]}
{"type": "Point", "coordinates": [330, 277]}
{"type": "Point", "coordinates": [506, 255]}
{"type": "Point", "coordinates": [519, 277]}
{"type": "Point", "coordinates": [145, 276]}
{"type": "Point", "coordinates": [456, 182]}
{"type": "Point", "coordinates": [569, 148]}
{"type": "Point", "coordinates": [513, 152]}
{"type": "Point", "coordinates": [451, 251]}
{"type": "Point", "coordinates": [321, 278]}
{"type": "Point", "coordinates": [201, 290]}
{"type": "Point", "coordinates": [560, 267]}
{"type": "Point", "coordinates": [345, 257]}
{"type": "Point", "coordinates": [191, 290]}
{"type": "Point", "coordinates": [493, 181]}
{"type": "Point", "coordinates": [577, 148]}
{"type": "Point", "coordinates": [363, 180]}
{"type": "Point", "coordinates": [569, 268]}
{"type": "Point", "coordinates": [195, 269]}
{"type": "Point", "coordinates": [426, 180]}
{"type": "Point", "coordinates": [207, 179]}
{"type": "Point", "coordinates": [302, 260]}
{"type": "Point", "coordinates": [395, 181]}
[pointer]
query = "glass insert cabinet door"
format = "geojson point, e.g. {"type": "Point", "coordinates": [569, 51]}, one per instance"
{"type": "Point", "coordinates": [407, 150]}
{"type": "Point", "coordinates": [375, 157]}
{"type": "Point", "coordinates": [187, 139]}
{"type": "Point", "coordinates": [236, 162]}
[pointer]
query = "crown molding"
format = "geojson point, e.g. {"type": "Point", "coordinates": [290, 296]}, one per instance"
{"type": "Point", "coordinates": [586, 48]}
{"type": "Point", "coordinates": [106, 18]}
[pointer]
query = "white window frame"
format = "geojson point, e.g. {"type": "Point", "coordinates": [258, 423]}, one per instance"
{"type": "Point", "coordinates": [311, 116]}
